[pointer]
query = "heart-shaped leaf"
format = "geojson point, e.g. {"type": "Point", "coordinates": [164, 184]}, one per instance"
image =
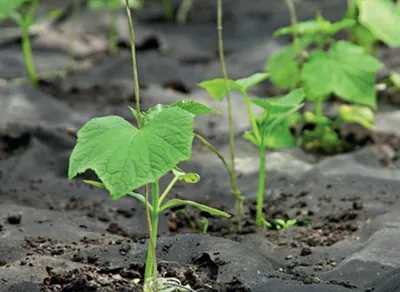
{"type": "Point", "coordinates": [346, 70]}
{"type": "Point", "coordinates": [124, 157]}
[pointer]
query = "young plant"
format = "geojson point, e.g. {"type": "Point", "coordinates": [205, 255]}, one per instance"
{"type": "Point", "coordinates": [23, 13]}
{"type": "Point", "coordinates": [126, 158]}
{"type": "Point", "coordinates": [335, 67]}
{"type": "Point", "coordinates": [270, 129]}
{"type": "Point", "coordinates": [282, 224]}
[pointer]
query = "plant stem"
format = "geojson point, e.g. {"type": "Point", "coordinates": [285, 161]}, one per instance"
{"type": "Point", "coordinates": [26, 22]}
{"type": "Point", "coordinates": [319, 108]}
{"type": "Point", "coordinates": [260, 220]}
{"type": "Point", "coordinates": [166, 191]}
{"type": "Point", "coordinates": [293, 21]}
{"type": "Point", "coordinates": [112, 43]}
{"type": "Point", "coordinates": [168, 11]}
{"type": "Point", "coordinates": [235, 190]}
{"type": "Point", "coordinates": [239, 209]}
{"type": "Point", "coordinates": [151, 267]}
{"type": "Point", "coordinates": [252, 117]}
{"type": "Point", "coordinates": [76, 7]}
{"type": "Point", "coordinates": [134, 62]}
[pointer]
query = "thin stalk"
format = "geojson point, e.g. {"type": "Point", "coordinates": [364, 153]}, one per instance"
{"type": "Point", "coordinates": [151, 267]}
{"type": "Point", "coordinates": [293, 21]}
{"type": "Point", "coordinates": [235, 190]}
{"type": "Point", "coordinates": [26, 22]}
{"type": "Point", "coordinates": [166, 191]}
{"type": "Point", "coordinates": [112, 43]}
{"type": "Point", "coordinates": [76, 7]}
{"type": "Point", "coordinates": [134, 62]}
{"type": "Point", "coordinates": [239, 209]}
{"type": "Point", "coordinates": [319, 108]}
{"type": "Point", "coordinates": [260, 220]}
{"type": "Point", "coordinates": [168, 11]}
{"type": "Point", "coordinates": [252, 117]}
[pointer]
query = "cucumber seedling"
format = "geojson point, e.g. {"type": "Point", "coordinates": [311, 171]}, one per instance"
{"type": "Point", "coordinates": [323, 66]}
{"type": "Point", "coordinates": [126, 157]}
{"type": "Point", "coordinates": [23, 13]}
{"type": "Point", "coordinates": [270, 129]}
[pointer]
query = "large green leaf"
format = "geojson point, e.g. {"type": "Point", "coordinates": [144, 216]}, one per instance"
{"type": "Point", "coordinates": [8, 6]}
{"type": "Point", "coordinates": [292, 99]}
{"type": "Point", "coordinates": [346, 70]}
{"type": "Point", "coordinates": [382, 18]}
{"type": "Point", "coordinates": [178, 202]}
{"type": "Point", "coordinates": [284, 68]}
{"type": "Point", "coordinates": [217, 89]}
{"type": "Point", "coordinates": [124, 157]}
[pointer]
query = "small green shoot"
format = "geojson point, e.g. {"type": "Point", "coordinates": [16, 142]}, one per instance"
{"type": "Point", "coordinates": [23, 12]}
{"type": "Point", "coordinates": [282, 224]}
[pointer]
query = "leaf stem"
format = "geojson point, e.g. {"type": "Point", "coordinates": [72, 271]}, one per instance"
{"type": "Point", "coordinates": [293, 21]}
{"type": "Point", "coordinates": [167, 190]}
{"type": "Point", "coordinates": [252, 118]}
{"type": "Point", "coordinates": [239, 209]}
{"type": "Point", "coordinates": [134, 62]}
{"type": "Point", "coordinates": [319, 112]}
{"type": "Point", "coordinates": [151, 266]}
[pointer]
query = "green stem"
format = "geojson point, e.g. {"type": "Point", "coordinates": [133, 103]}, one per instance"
{"type": "Point", "coordinates": [27, 51]}
{"type": "Point", "coordinates": [293, 20]}
{"type": "Point", "coordinates": [76, 7]}
{"type": "Point", "coordinates": [26, 22]}
{"type": "Point", "coordinates": [151, 266]}
{"type": "Point", "coordinates": [168, 11]}
{"type": "Point", "coordinates": [252, 117]}
{"type": "Point", "coordinates": [112, 44]}
{"type": "Point", "coordinates": [166, 191]}
{"type": "Point", "coordinates": [319, 108]}
{"type": "Point", "coordinates": [260, 220]}
{"type": "Point", "coordinates": [239, 209]}
{"type": "Point", "coordinates": [134, 62]}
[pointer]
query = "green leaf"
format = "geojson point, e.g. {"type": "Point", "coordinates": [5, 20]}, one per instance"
{"type": "Point", "coordinates": [54, 14]}
{"type": "Point", "coordinates": [125, 158]}
{"type": "Point", "coordinates": [346, 70]}
{"type": "Point", "coordinates": [190, 178]}
{"type": "Point", "coordinates": [8, 6]}
{"type": "Point", "coordinates": [358, 114]}
{"type": "Point", "coordinates": [283, 66]}
{"type": "Point", "coordinates": [382, 18]}
{"type": "Point", "coordinates": [246, 83]}
{"type": "Point", "coordinates": [363, 36]}
{"type": "Point", "coordinates": [195, 107]}
{"type": "Point", "coordinates": [216, 87]}
{"type": "Point", "coordinates": [210, 210]}
{"type": "Point", "coordinates": [293, 98]}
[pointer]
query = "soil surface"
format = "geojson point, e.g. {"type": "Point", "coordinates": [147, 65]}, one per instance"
{"type": "Point", "coordinates": [57, 235]}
